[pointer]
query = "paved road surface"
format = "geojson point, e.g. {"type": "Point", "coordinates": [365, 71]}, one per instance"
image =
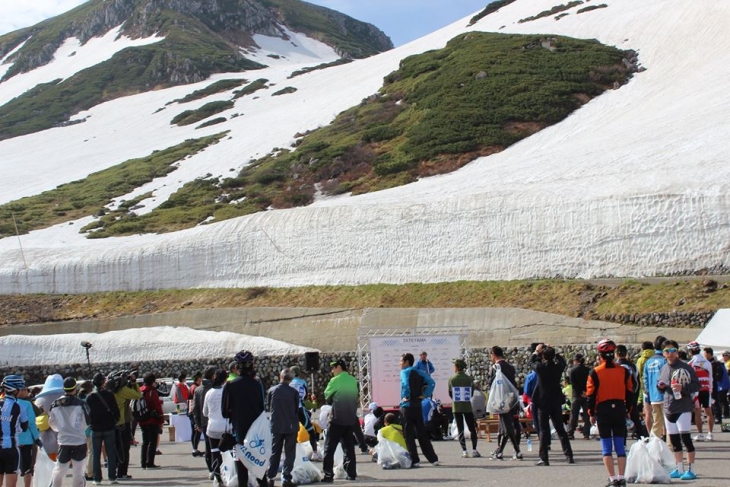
{"type": "Point", "coordinates": [181, 469]}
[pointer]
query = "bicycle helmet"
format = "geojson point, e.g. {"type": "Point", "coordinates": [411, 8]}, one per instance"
{"type": "Point", "coordinates": [606, 346]}
{"type": "Point", "coordinates": [693, 347]}
{"type": "Point", "coordinates": [13, 383]}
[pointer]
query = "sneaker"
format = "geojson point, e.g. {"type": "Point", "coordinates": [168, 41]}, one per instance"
{"type": "Point", "coordinates": [327, 480]}
{"type": "Point", "coordinates": [416, 465]}
{"type": "Point", "coordinates": [569, 459]}
{"type": "Point", "coordinates": [674, 474]}
{"type": "Point", "coordinates": [496, 455]}
{"type": "Point", "coordinates": [517, 456]}
{"type": "Point", "coordinates": [464, 454]}
{"type": "Point", "coordinates": [211, 476]}
{"type": "Point", "coordinates": [475, 454]}
{"type": "Point", "coordinates": [688, 476]}
{"type": "Point", "coordinates": [96, 482]}
{"type": "Point", "coordinates": [113, 481]}
{"type": "Point", "coordinates": [621, 482]}
{"type": "Point", "coordinates": [124, 477]}
{"type": "Point", "coordinates": [435, 464]}
{"type": "Point", "coordinates": [699, 437]}
{"type": "Point", "coordinates": [543, 463]}
{"type": "Point", "coordinates": [287, 483]}
{"type": "Point", "coordinates": [708, 437]}
{"type": "Point", "coordinates": [152, 467]}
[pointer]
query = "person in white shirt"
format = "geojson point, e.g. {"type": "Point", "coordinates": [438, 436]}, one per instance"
{"type": "Point", "coordinates": [703, 400]}
{"type": "Point", "coordinates": [69, 417]}
{"type": "Point", "coordinates": [217, 424]}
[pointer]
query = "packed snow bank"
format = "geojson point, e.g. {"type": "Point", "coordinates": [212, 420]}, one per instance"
{"type": "Point", "coordinates": [137, 345]}
{"type": "Point", "coordinates": [634, 183]}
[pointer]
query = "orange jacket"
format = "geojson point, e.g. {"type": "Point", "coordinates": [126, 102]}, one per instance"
{"type": "Point", "coordinates": [607, 384]}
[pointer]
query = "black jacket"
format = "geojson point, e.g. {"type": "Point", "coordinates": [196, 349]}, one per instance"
{"type": "Point", "coordinates": [549, 390]}
{"type": "Point", "coordinates": [242, 403]}
{"type": "Point", "coordinates": [103, 410]}
{"type": "Point", "coordinates": [198, 398]}
{"type": "Point", "coordinates": [578, 378]}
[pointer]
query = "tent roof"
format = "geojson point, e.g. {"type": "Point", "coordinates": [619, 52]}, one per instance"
{"type": "Point", "coordinates": [717, 331]}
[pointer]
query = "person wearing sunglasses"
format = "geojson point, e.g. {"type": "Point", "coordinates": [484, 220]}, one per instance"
{"type": "Point", "coordinates": [678, 382]}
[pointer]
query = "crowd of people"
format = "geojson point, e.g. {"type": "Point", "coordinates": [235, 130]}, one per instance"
{"type": "Point", "coordinates": [662, 393]}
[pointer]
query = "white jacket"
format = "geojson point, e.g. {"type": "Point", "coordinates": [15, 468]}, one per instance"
{"type": "Point", "coordinates": [69, 417]}
{"type": "Point", "coordinates": [217, 424]}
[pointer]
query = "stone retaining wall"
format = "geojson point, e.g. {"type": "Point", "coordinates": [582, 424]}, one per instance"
{"type": "Point", "coordinates": [269, 367]}
{"type": "Point", "coordinates": [674, 319]}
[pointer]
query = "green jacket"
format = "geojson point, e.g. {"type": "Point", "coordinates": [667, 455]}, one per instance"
{"type": "Point", "coordinates": [645, 354]}
{"type": "Point", "coordinates": [342, 392]}
{"type": "Point", "coordinates": [123, 397]}
{"type": "Point", "coordinates": [463, 383]}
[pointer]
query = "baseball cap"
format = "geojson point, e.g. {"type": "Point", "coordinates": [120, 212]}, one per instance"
{"type": "Point", "coordinates": [725, 353]}
{"type": "Point", "coordinates": [69, 384]}
{"type": "Point", "coordinates": [338, 362]}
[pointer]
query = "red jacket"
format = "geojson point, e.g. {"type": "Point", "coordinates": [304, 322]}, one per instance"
{"type": "Point", "coordinates": [150, 395]}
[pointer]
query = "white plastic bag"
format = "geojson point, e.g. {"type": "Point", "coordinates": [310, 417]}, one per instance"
{"type": "Point", "coordinates": [454, 431]}
{"type": "Point", "coordinates": [641, 468]}
{"type": "Point", "coordinates": [503, 395]}
{"type": "Point", "coordinates": [43, 469]}
{"type": "Point", "coordinates": [660, 452]}
{"type": "Point", "coordinates": [391, 454]}
{"type": "Point", "coordinates": [304, 472]}
{"type": "Point", "coordinates": [255, 451]}
{"type": "Point", "coordinates": [339, 462]}
{"type": "Point", "coordinates": [228, 468]}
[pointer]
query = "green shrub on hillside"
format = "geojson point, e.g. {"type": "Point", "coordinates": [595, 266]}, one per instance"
{"type": "Point", "coordinates": [192, 116]}
{"type": "Point", "coordinates": [85, 197]}
{"type": "Point", "coordinates": [318, 67]}
{"type": "Point", "coordinates": [251, 88]}
{"type": "Point", "coordinates": [284, 91]}
{"type": "Point", "coordinates": [591, 7]}
{"type": "Point", "coordinates": [489, 9]}
{"type": "Point", "coordinates": [437, 112]}
{"type": "Point", "coordinates": [217, 87]}
{"type": "Point", "coordinates": [552, 11]}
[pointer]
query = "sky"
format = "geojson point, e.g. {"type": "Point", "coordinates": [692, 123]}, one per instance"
{"type": "Point", "coordinates": [402, 20]}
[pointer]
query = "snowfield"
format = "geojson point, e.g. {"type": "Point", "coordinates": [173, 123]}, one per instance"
{"type": "Point", "coordinates": [635, 183]}
{"type": "Point", "coordinates": [137, 345]}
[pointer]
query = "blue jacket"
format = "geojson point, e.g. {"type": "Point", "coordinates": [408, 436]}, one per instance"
{"type": "Point", "coordinates": [405, 387]}
{"type": "Point", "coordinates": [426, 366]}
{"type": "Point", "coordinates": [652, 368]}
{"type": "Point", "coordinates": [724, 384]}
{"type": "Point", "coordinates": [530, 383]}
{"type": "Point", "coordinates": [28, 436]}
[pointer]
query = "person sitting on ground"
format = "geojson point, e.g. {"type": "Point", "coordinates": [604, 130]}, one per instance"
{"type": "Point", "coordinates": [371, 436]}
{"type": "Point", "coordinates": [393, 431]}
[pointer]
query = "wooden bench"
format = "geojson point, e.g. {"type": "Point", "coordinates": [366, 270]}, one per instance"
{"type": "Point", "coordinates": [486, 426]}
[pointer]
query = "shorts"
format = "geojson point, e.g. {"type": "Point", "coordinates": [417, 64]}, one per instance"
{"type": "Point", "coordinates": [26, 460]}
{"type": "Point", "coordinates": [611, 419]}
{"type": "Point", "coordinates": [66, 453]}
{"type": "Point", "coordinates": [678, 423]}
{"type": "Point", "coordinates": [703, 399]}
{"type": "Point", "coordinates": [9, 461]}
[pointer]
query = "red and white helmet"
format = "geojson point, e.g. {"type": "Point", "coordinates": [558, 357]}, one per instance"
{"type": "Point", "coordinates": [606, 346]}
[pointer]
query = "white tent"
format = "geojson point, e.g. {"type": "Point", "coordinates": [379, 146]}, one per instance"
{"type": "Point", "coordinates": [717, 332]}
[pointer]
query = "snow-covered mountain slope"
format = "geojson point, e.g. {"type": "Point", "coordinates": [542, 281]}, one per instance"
{"type": "Point", "coordinates": [137, 344]}
{"type": "Point", "coordinates": [634, 183]}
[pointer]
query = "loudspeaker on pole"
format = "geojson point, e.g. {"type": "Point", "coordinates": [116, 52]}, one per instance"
{"type": "Point", "coordinates": [311, 361]}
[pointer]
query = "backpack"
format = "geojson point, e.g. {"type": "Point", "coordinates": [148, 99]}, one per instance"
{"type": "Point", "coordinates": [417, 384]}
{"type": "Point", "coordinates": [140, 411]}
